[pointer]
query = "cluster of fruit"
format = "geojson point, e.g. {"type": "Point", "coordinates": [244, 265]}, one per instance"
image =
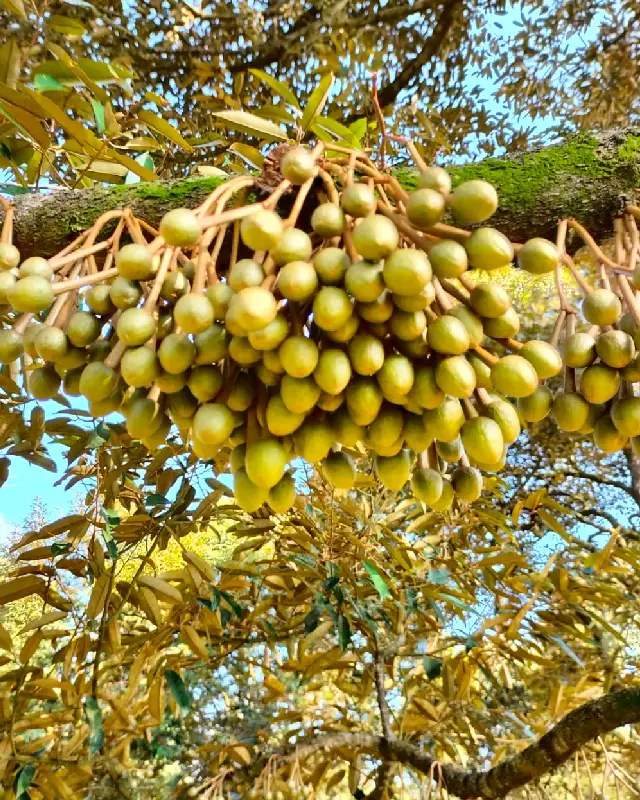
{"type": "Point", "coordinates": [363, 335]}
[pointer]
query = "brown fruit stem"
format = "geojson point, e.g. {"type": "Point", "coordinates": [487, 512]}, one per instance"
{"type": "Point", "coordinates": [632, 230]}
{"type": "Point", "coordinates": [586, 237]}
{"type": "Point", "coordinates": [21, 323]}
{"type": "Point", "coordinates": [62, 299]}
{"type": "Point", "coordinates": [569, 372]}
{"type": "Point", "coordinates": [469, 409]}
{"type": "Point", "coordinates": [584, 286]}
{"type": "Point", "coordinates": [420, 162]}
{"type": "Point", "coordinates": [466, 281]}
{"type": "Point", "coordinates": [483, 396]}
{"type": "Point", "coordinates": [113, 359]}
{"type": "Point", "coordinates": [629, 298]}
{"type": "Point", "coordinates": [402, 225]}
{"type": "Point", "coordinates": [212, 270]}
{"type": "Point", "coordinates": [303, 191]}
{"type": "Point", "coordinates": [134, 228]}
{"type": "Point", "coordinates": [272, 201]}
{"type": "Point", "coordinates": [87, 280]}
{"type": "Point", "coordinates": [231, 215]}
{"type": "Point", "coordinates": [561, 237]}
{"type": "Point", "coordinates": [347, 238]}
{"type": "Point", "coordinates": [329, 185]}
{"type": "Point", "coordinates": [558, 327]}
{"type": "Point", "coordinates": [225, 190]}
{"type": "Point", "coordinates": [7, 228]}
{"type": "Point", "coordinates": [150, 302]}
{"type": "Point", "coordinates": [455, 291]}
{"type": "Point", "coordinates": [510, 344]}
{"type": "Point", "coordinates": [59, 261]}
{"type": "Point", "coordinates": [441, 296]}
{"type": "Point", "coordinates": [154, 393]}
{"type": "Point", "coordinates": [464, 459]}
{"type": "Point", "coordinates": [486, 356]}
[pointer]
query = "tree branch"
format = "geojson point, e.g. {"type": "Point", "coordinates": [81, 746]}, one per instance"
{"type": "Point", "coordinates": [575, 730]}
{"type": "Point", "coordinates": [599, 479]}
{"type": "Point", "coordinates": [378, 674]}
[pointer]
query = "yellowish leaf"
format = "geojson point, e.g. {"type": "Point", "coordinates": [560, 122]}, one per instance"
{"type": "Point", "coordinates": [45, 619]}
{"type": "Point", "coordinates": [255, 126]}
{"type": "Point", "coordinates": [99, 596]}
{"type": "Point", "coordinates": [20, 587]}
{"type": "Point", "coordinates": [163, 590]}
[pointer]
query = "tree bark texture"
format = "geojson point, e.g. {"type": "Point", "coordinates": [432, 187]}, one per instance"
{"type": "Point", "coordinates": [586, 177]}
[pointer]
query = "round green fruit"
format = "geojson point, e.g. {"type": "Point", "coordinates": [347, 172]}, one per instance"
{"type": "Point", "coordinates": [504, 326]}
{"type": "Point", "coordinates": [271, 336]}
{"type": "Point", "coordinates": [366, 353]}
{"type": "Point", "coordinates": [467, 483]}
{"type": "Point", "coordinates": [544, 357]}
{"type": "Point", "coordinates": [299, 394]}
{"type": "Point", "coordinates": [538, 256]}
{"type": "Point", "coordinates": [32, 294]}
{"type": "Point", "coordinates": [98, 381]}
{"type": "Point", "coordinates": [180, 228]}
{"type": "Point", "coordinates": [242, 274]}
{"type": "Point", "coordinates": [502, 412]}
{"type": "Point", "coordinates": [375, 237]}
{"type": "Point", "coordinates": [607, 437]}
{"type": "Point", "coordinates": [139, 366]}
{"type": "Point", "coordinates": [37, 266]}
{"type": "Point", "coordinates": [194, 313]}
{"type": "Point", "coordinates": [514, 376]}
{"type": "Point", "coordinates": [435, 178]}
{"type": "Point", "coordinates": [248, 495]}
{"type": "Point", "coordinates": [396, 375]}
{"type": "Point", "coordinates": [265, 462]}
{"type": "Point", "coordinates": [599, 383]}
{"type": "Point", "coordinates": [456, 377]}
{"type": "Point", "coordinates": [448, 259]}
{"type": "Point", "coordinates": [340, 470]}
{"type": "Point", "coordinates": [482, 439]}
{"type": "Point", "coordinates": [625, 414]}
{"type": "Point", "coordinates": [261, 230]}
{"type": "Point", "coordinates": [331, 308]}
{"type": "Point", "coordinates": [445, 501]}
{"type": "Point", "coordinates": [135, 262]}
{"type": "Point", "coordinates": [11, 346]}
{"type": "Point", "coordinates": [9, 256]}
{"type": "Point", "coordinates": [135, 327]}
{"type": "Point", "coordinates": [294, 245]}
{"type": "Point", "coordinates": [579, 350]}
{"type": "Point", "coordinates": [125, 293]}
{"type": "Point", "coordinates": [313, 440]}
{"type": "Point", "coordinates": [282, 496]}
{"type": "Point", "coordinates": [358, 200]}
{"type": "Point", "coordinates": [204, 382]}
{"type": "Point", "coordinates": [488, 249]}
{"type": "Point", "coordinates": [406, 271]}
{"type": "Point", "coordinates": [393, 471]}
{"type": "Point", "coordinates": [331, 264]}
{"type": "Point", "coordinates": [448, 335]}
{"type": "Point", "coordinates": [280, 420]}
{"type": "Point", "coordinates": [364, 282]}
{"type": "Point", "coordinates": [570, 411]}
{"type": "Point", "coordinates": [473, 201]}
{"type": "Point", "coordinates": [601, 307]}
{"type": "Point", "coordinates": [44, 383]}
{"type": "Point", "coordinates": [444, 422]}
{"type": "Point", "coordinates": [51, 343]}
{"type": "Point", "coordinates": [489, 299]}
{"type": "Point", "coordinates": [615, 348]}
{"type": "Point", "coordinates": [298, 165]}
{"type": "Point", "coordinates": [426, 485]}
{"type": "Point", "coordinates": [333, 371]}
{"type": "Point", "coordinates": [328, 220]}
{"type": "Point", "coordinates": [425, 207]}
{"type": "Point", "coordinates": [364, 399]}
{"type": "Point", "coordinates": [297, 281]}
{"type": "Point", "coordinates": [299, 356]}
{"type": "Point", "coordinates": [426, 392]}
{"type": "Point", "coordinates": [176, 353]}
{"type": "Point", "coordinates": [253, 308]}
{"type": "Point", "coordinates": [213, 423]}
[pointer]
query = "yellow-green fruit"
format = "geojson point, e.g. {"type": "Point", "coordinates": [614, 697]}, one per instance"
{"type": "Point", "coordinates": [631, 372]}
{"type": "Point", "coordinates": [599, 383]}
{"type": "Point", "coordinates": [456, 377]}
{"type": "Point", "coordinates": [298, 165]}
{"type": "Point", "coordinates": [386, 428]}
{"type": "Point", "coordinates": [345, 332]}
{"type": "Point", "coordinates": [506, 416]}
{"type": "Point", "coordinates": [375, 237]}
{"type": "Point", "coordinates": [514, 376]}
{"type": "Point", "coordinates": [488, 249]}
{"type": "Point", "coordinates": [489, 299]}
{"type": "Point", "coordinates": [211, 345]}
{"type": "Point", "coordinates": [194, 313]}
{"type": "Point", "coordinates": [538, 256]}
{"type": "Point", "coordinates": [595, 412]}
{"type": "Point", "coordinates": [607, 437]}
{"type": "Point", "coordinates": [242, 274]}
{"type": "Point", "coordinates": [366, 353]}
{"type": "Point", "coordinates": [333, 371]}
{"type": "Point", "coordinates": [242, 352]}
{"type": "Point", "coordinates": [473, 201]}
{"type": "Point", "coordinates": [98, 381]}
{"type": "Point", "coordinates": [406, 271]}
{"type": "Point", "coordinates": [345, 429]}
{"type": "Point", "coordinates": [125, 293]}
{"type": "Point", "coordinates": [331, 308]}
{"type": "Point", "coordinates": [299, 394]}
{"type": "Point", "coordinates": [415, 302]}
{"type": "Point", "coordinates": [444, 422]}
{"type": "Point", "coordinates": [536, 406]}
{"type": "Point", "coordinates": [379, 311]}
{"type": "Point", "coordinates": [297, 281]}
{"type": "Point", "coordinates": [135, 262]}
{"type": "Point", "coordinates": [174, 286]}
{"type": "Point", "coordinates": [482, 439]}
{"type": "Point", "coordinates": [467, 483]}
{"type": "Point", "coordinates": [425, 207]}
{"type": "Point", "coordinates": [205, 452]}
{"type": "Point", "coordinates": [144, 417]}
{"type": "Point", "coordinates": [445, 501]}
{"type": "Point", "coordinates": [364, 399]}
{"type": "Point", "coordinates": [135, 327]}
{"type": "Point", "coordinates": [579, 350]}
{"type": "Point", "coordinates": [358, 200]}
{"type": "Point", "coordinates": [471, 322]}
{"type": "Point", "coordinates": [83, 329]}
{"type": "Point", "coordinates": [97, 351]}
{"type": "Point", "coordinates": [139, 366]}
{"type": "Point", "coordinates": [37, 266]}
{"type": "Point", "coordinates": [7, 281]}
{"type": "Point", "coordinates": [176, 353]}
{"type": "Point", "coordinates": [504, 326]}
{"type": "Point", "coordinates": [482, 370]}
{"type": "Point", "coordinates": [169, 384]}
{"type": "Point", "coordinates": [340, 470]}
{"type": "Point", "coordinates": [448, 259]}
{"type": "Point", "coordinates": [205, 382]}
{"type": "Point", "coordinates": [236, 458]}
{"type": "Point", "coordinates": [50, 343]}
{"type": "Point", "coordinates": [298, 356]}
{"type": "Point", "coordinates": [71, 381]}
{"type": "Point", "coordinates": [625, 414]}
{"type": "Point", "coordinates": [282, 496]}
{"type": "Point", "coordinates": [450, 451]}
{"type": "Point", "coordinates": [102, 408]}
{"type": "Point", "coordinates": [396, 375]}
{"type": "Point", "coordinates": [242, 393]}
{"type": "Point", "coordinates": [570, 411]}
{"type": "Point", "coordinates": [426, 485]}
{"type": "Point", "coordinates": [11, 346]}
{"type": "Point", "coordinates": [331, 264]}
{"type": "Point", "coordinates": [265, 462]}
{"type": "Point", "coordinates": [98, 299]}
{"type": "Point", "coordinates": [44, 383]}
{"type": "Point", "coordinates": [164, 324]}
{"type": "Point", "coordinates": [313, 440]}
{"type": "Point", "coordinates": [414, 432]}
{"type": "Point", "coordinates": [546, 360]}
{"type": "Point", "coordinates": [9, 256]}
{"type": "Point", "coordinates": [182, 404]}
{"type": "Point", "coordinates": [261, 230]}
{"type": "Point", "coordinates": [180, 228]}
{"type": "Point", "coordinates": [271, 360]}
{"type": "Point", "coordinates": [328, 220]}
{"type": "Point", "coordinates": [158, 437]}
{"type": "Point", "coordinates": [213, 423]}
{"type": "Point", "coordinates": [248, 495]}
{"type": "Point", "coordinates": [425, 391]}
{"type": "Point", "coordinates": [448, 335]}
{"type": "Point", "coordinates": [363, 281]}
{"type": "Point", "coordinates": [31, 294]}
{"type": "Point", "coordinates": [253, 308]}
{"type": "Point", "coordinates": [393, 471]}
{"type": "Point", "coordinates": [601, 307]}
{"type": "Point", "coordinates": [435, 178]}
{"type": "Point", "coordinates": [615, 348]}
{"type": "Point", "coordinates": [330, 402]}
{"type": "Point", "coordinates": [406, 325]}
{"type": "Point", "coordinates": [390, 449]}
{"type": "Point", "coordinates": [271, 336]}
{"type": "Point", "coordinates": [74, 357]}
{"type": "Point", "coordinates": [294, 245]}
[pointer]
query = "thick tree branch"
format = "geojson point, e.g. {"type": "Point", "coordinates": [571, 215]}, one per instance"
{"type": "Point", "coordinates": [576, 729]}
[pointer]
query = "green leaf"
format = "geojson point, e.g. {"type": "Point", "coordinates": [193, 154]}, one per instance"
{"type": "Point", "coordinates": [316, 102]}
{"type": "Point", "coordinates": [312, 619]}
{"type": "Point", "coordinates": [377, 580]}
{"type": "Point", "coordinates": [98, 113]}
{"type": "Point", "coordinates": [250, 154]}
{"type": "Point", "coordinates": [59, 548]}
{"type": "Point", "coordinates": [15, 7]}
{"type": "Point", "coordinates": [67, 25]}
{"type": "Point", "coordinates": [344, 632]}
{"type": "Point", "coordinates": [255, 126]}
{"type": "Point", "coordinates": [145, 161]}
{"type": "Point", "coordinates": [98, 71]}
{"type": "Point", "coordinates": [359, 128]}
{"type": "Point", "coordinates": [164, 128]}
{"type": "Point", "coordinates": [23, 781]}
{"type": "Point", "coordinates": [336, 128]}
{"type": "Point", "coordinates": [10, 58]}
{"type": "Point", "coordinates": [438, 576]}
{"type": "Point", "coordinates": [110, 516]}
{"type": "Point", "coordinates": [46, 83]}
{"type": "Point", "coordinates": [156, 500]}
{"type": "Point", "coordinates": [178, 691]}
{"type": "Point", "coordinates": [94, 718]}
{"type": "Point", "coordinates": [235, 607]}
{"type": "Point", "coordinates": [432, 667]}
{"type": "Point", "coordinates": [276, 86]}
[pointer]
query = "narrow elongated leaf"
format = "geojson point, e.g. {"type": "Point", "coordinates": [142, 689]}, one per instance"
{"type": "Point", "coordinates": [164, 128]}
{"type": "Point", "coordinates": [377, 579]}
{"type": "Point", "coordinates": [94, 718]}
{"type": "Point", "coordinates": [178, 691]}
{"type": "Point", "coordinates": [47, 83]}
{"type": "Point", "coordinates": [23, 781]}
{"type": "Point", "coordinates": [316, 102]}
{"type": "Point", "coordinates": [10, 63]}
{"type": "Point", "coordinates": [99, 596]}
{"type": "Point", "coordinates": [98, 113]}
{"type": "Point", "coordinates": [250, 154]}
{"type": "Point", "coordinates": [249, 123]}
{"type": "Point", "coordinates": [66, 25]}
{"type": "Point", "coordinates": [344, 632]}
{"type": "Point", "coordinates": [16, 7]}
{"type": "Point", "coordinates": [276, 86]}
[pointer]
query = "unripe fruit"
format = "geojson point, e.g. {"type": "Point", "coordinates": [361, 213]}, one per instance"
{"type": "Point", "coordinates": [489, 299]}
{"type": "Point", "coordinates": [248, 495]}
{"type": "Point", "coordinates": [471, 322]}
{"type": "Point", "coordinates": [176, 353]}
{"type": "Point", "coordinates": [204, 382]}
{"type": "Point", "coordinates": [456, 377]}
{"type": "Point", "coordinates": [211, 344]}
{"type": "Point", "coordinates": [125, 293]}
{"type": "Point", "coordinates": [345, 429]}
{"type": "Point", "coordinates": [282, 496]}
{"type": "Point", "coordinates": [297, 281]}
{"type": "Point", "coordinates": [135, 262]}
{"type": "Point", "coordinates": [414, 432]}
{"type": "Point", "coordinates": [408, 326]}
{"type": "Point", "coordinates": [50, 343]}
{"type": "Point", "coordinates": [340, 470]}
{"type": "Point", "coordinates": [174, 286]}
{"type": "Point", "coordinates": [36, 266]}
{"type": "Point", "coordinates": [379, 311]}
{"type": "Point", "coordinates": [254, 308]}
{"type": "Point", "coordinates": [393, 471]}
{"type": "Point", "coordinates": [375, 237]}
{"type": "Point", "coordinates": [328, 220]}
{"type": "Point", "coordinates": [601, 307]}
{"type": "Point", "coordinates": [331, 308]}
{"type": "Point", "coordinates": [280, 420]}
{"type": "Point", "coordinates": [265, 462]}
{"type": "Point", "coordinates": [482, 370]}
{"type": "Point", "coordinates": [599, 383]}
{"type": "Point", "coordinates": [482, 439]}
{"type": "Point", "coordinates": [448, 335]}
{"type": "Point", "coordinates": [538, 256]}
{"type": "Point", "coordinates": [298, 165]}
{"type": "Point", "coordinates": [294, 245]}
{"type": "Point", "coordinates": [261, 230]}
{"type": "Point", "coordinates": [386, 428]}
{"type": "Point", "coordinates": [9, 256]}
{"type": "Point", "coordinates": [11, 346]}
{"type": "Point", "coordinates": [607, 437]}
{"type": "Point", "coordinates": [363, 281]}
{"type": "Point", "coordinates": [44, 383]}
{"type": "Point", "coordinates": [313, 440]}
{"type": "Point", "coordinates": [333, 371]}
{"type": "Point", "coordinates": [407, 271]}
{"type": "Point", "coordinates": [473, 202]}
{"type": "Point", "coordinates": [425, 391]}
{"type": "Point", "coordinates": [445, 501]}
{"type": "Point", "coordinates": [415, 302]}
{"type": "Point", "coordinates": [7, 281]}
{"type": "Point", "coordinates": [504, 326]}
{"type": "Point", "coordinates": [330, 263]}
{"type": "Point", "coordinates": [346, 331]}
{"type": "Point", "coordinates": [444, 422]}
{"type": "Point", "coordinates": [546, 360]}
{"type": "Point", "coordinates": [298, 356]}
{"type": "Point", "coordinates": [180, 228]}
{"type": "Point", "coordinates": [245, 272]}
{"type": "Point", "coordinates": [193, 313]}
{"type": "Point", "coordinates": [570, 411]}
{"type": "Point", "coordinates": [625, 414]}
{"type": "Point", "coordinates": [502, 412]}
{"type": "Point", "coordinates": [514, 376]}
{"type": "Point", "coordinates": [435, 178]}
{"type": "Point", "coordinates": [271, 336]}
{"type": "Point", "coordinates": [579, 350]}
{"type": "Point", "coordinates": [170, 384]}
{"type": "Point", "coordinates": [358, 200]}
{"type": "Point", "coordinates": [425, 207]}
{"type": "Point", "coordinates": [395, 376]}
{"type": "Point", "coordinates": [83, 329]}
{"type": "Point", "coordinates": [366, 353]}
{"type": "Point", "coordinates": [467, 483]}
{"type": "Point", "coordinates": [30, 294]}
{"type": "Point", "coordinates": [98, 381]}
{"type": "Point", "coordinates": [615, 348]}
{"type": "Point", "coordinates": [450, 451]}
{"type": "Point", "coordinates": [139, 366]}
{"type": "Point", "coordinates": [213, 423]}
{"type": "Point", "coordinates": [241, 350]}
{"type": "Point", "coordinates": [426, 485]}
{"type": "Point", "coordinates": [299, 394]}
{"type": "Point", "coordinates": [488, 249]}
{"type": "Point", "coordinates": [448, 259]}
{"type": "Point", "coordinates": [364, 399]}
{"type": "Point", "coordinates": [98, 298]}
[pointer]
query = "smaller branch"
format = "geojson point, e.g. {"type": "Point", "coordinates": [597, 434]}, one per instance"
{"type": "Point", "coordinates": [385, 716]}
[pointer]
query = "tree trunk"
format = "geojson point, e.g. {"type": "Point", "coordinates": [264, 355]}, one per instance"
{"type": "Point", "coordinates": [585, 178]}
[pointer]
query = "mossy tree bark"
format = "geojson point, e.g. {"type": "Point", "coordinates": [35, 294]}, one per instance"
{"type": "Point", "coordinates": [585, 177]}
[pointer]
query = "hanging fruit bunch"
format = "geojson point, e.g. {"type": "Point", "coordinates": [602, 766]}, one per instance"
{"type": "Point", "coordinates": [361, 332]}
